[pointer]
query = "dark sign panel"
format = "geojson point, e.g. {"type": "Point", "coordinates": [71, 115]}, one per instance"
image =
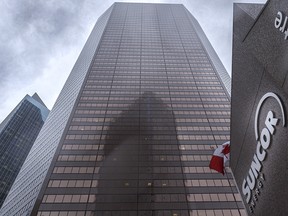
{"type": "Point", "coordinates": [259, 134]}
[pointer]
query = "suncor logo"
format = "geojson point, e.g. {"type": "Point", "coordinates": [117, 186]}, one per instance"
{"type": "Point", "coordinates": [253, 183]}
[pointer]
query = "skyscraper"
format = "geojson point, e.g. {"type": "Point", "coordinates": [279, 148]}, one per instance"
{"type": "Point", "coordinates": [17, 135]}
{"type": "Point", "coordinates": [134, 126]}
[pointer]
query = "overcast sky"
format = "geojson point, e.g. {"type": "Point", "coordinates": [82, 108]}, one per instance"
{"type": "Point", "coordinates": [40, 41]}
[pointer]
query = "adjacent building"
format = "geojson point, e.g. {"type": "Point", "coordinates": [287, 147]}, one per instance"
{"type": "Point", "coordinates": [17, 135]}
{"type": "Point", "coordinates": [259, 113]}
{"type": "Point", "coordinates": [134, 127]}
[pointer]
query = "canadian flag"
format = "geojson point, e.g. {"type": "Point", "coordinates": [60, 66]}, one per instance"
{"type": "Point", "coordinates": [220, 156]}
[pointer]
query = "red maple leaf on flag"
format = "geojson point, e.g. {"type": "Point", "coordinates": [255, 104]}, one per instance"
{"type": "Point", "coordinates": [219, 157]}
{"type": "Point", "coordinates": [226, 149]}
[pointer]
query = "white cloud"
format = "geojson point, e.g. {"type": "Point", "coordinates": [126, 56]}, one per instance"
{"type": "Point", "coordinates": [41, 40]}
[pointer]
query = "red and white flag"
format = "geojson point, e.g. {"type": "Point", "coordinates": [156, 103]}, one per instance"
{"type": "Point", "coordinates": [220, 156]}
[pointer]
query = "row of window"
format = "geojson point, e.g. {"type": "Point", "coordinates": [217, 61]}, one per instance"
{"type": "Point", "coordinates": [82, 137]}
{"type": "Point", "coordinates": [214, 99]}
{"type": "Point", "coordinates": [87, 127]}
{"type": "Point", "coordinates": [118, 104]}
{"type": "Point", "coordinates": [90, 170]}
{"type": "Point", "coordinates": [216, 105]}
{"type": "Point", "coordinates": [149, 65]}
{"type": "Point", "coordinates": [157, 94]}
{"type": "Point", "coordinates": [196, 56]}
{"type": "Point", "coordinates": [141, 183]}
{"type": "Point", "coordinates": [144, 126]}
{"type": "Point", "coordinates": [151, 88]}
{"type": "Point", "coordinates": [147, 72]}
{"type": "Point", "coordinates": [136, 45]}
{"type": "Point", "coordinates": [83, 147]}
{"type": "Point", "coordinates": [116, 112]}
{"type": "Point", "coordinates": [143, 88]}
{"type": "Point", "coordinates": [195, 157]}
{"type": "Point", "coordinates": [146, 61]}
{"type": "Point", "coordinates": [165, 65]}
{"type": "Point", "coordinates": [144, 77]}
{"type": "Point", "coordinates": [207, 183]}
{"type": "Point", "coordinates": [111, 59]}
{"type": "Point", "coordinates": [69, 198]}
{"type": "Point", "coordinates": [203, 137]}
{"type": "Point", "coordinates": [197, 147]}
{"type": "Point", "coordinates": [65, 213]}
{"type": "Point", "coordinates": [195, 137]}
{"type": "Point", "coordinates": [189, 120]}
{"type": "Point", "coordinates": [155, 128]}
{"type": "Point", "coordinates": [227, 197]}
{"type": "Point", "coordinates": [154, 169]}
{"type": "Point", "coordinates": [132, 119]}
{"type": "Point", "coordinates": [115, 137]}
{"type": "Point", "coordinates": [161, 63]}
{"type": "Point", "coordinates": [137, 37]}
{"type": "Point", "coordinates": [103, 105]}
{"type": "Point", "coordinates": [152, 158]}
{"type": "Point", "coordinates": [211, 212]}
{"type": "Point", "coordinates": [79, 158]}
{"type": "Point", "coordinates": [149, 33]}
{"type": "Point", "coordinates": [155, 147]}
{"type": "Point", "coordinates": [111, 98]}
{"type": "Point", "coordinates": [73, 183]}
{"type": "Point", "coordinates": [171, 69]}
{"type": "Point", "coordinates": [161, 98]}
{"type": "Point", "coordinates": [77, 119]}
{"type": "Point", "coordinates": [75, 170]}
{"type": "Point", "coordinates": [198, 59]}
{"type": "Point", "coordinates": [167, 98]}
{"type": "Point", "coordinates": [218, 113]}
{"type": "Point", "coordinates": [147, 37]}
{"type": "Point", "coordinates": [148, 82]}
{"type": "Point", "coordinates": [189, 113]}
{"type": "Point", "coordinates": [169, 49]}
{"type": "Point", "coordinates": [113, 54]}
{"type": "Point", "coordinates": [153, 54]}
{"type": "Point", "coordinates": [189, 128]}
{"type": "Point", "coordinates": [187, 105]}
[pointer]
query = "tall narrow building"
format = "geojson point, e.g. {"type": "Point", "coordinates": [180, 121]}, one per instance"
{"type": "Point", "coordinates": [134, 127]}
{"type": "Point", "coordinates": [17, 135]}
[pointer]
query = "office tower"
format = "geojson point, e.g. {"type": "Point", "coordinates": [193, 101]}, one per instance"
{"type": "Point", "coordinates": [17, 135]}
{"type": "Point", "coordinates": [133, 129]}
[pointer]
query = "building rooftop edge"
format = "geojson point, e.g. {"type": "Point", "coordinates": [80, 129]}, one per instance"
{"type": "Point", "coordinates": [35, 101]}
{"type": "Point", "coordinates": [158, 3]}
{"type": "Point", "coordinates": [37, 98]}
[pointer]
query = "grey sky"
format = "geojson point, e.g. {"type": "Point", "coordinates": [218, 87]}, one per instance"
{"type": "Point", "coordinates": [40, 41]}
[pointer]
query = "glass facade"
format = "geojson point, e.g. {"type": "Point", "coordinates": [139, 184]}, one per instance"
{"type": "Point", "coordinates": [17, 135]}
{"type": "Point", "coordinates": [143, 128]}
